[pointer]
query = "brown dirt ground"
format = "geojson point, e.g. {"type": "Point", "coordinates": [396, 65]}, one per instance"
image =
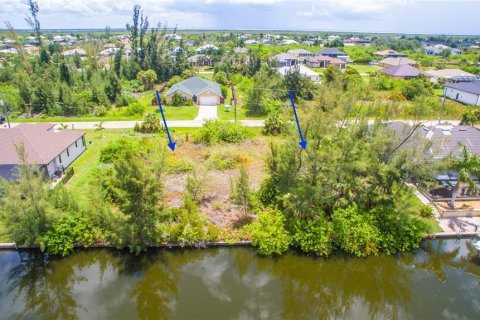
{"type": "Point", "coordinates": [216, 204]}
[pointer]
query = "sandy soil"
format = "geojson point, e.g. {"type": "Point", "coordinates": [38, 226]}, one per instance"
{"type": "Point", "coordinates": [215, 201]}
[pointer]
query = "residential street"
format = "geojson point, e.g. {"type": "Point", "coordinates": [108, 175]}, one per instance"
{"type": "Point", "coordinates": [198, 122]}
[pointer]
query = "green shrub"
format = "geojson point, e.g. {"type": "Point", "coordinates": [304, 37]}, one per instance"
{"type": "Point", "coordinates": [151, 124]}
{"type": "Point", "coordinates": [399, 232]}
{"type": "Point", "coordinates": [269, 234]}
{"type": "Point", "coordinates": [426, 211]}
{"type": "Point", "coordinates": [175, 165]}
{"type": "Point", "coordinates": [313, 236]}
{"type": "Point", "coordinates": [274, 124]}
{"type": "Point", "coordinates": [187, 225]}
{"type": "Point", "coordinates": [135, 108]}
{"type": "Point", "coordinates": [177, 100]}
{"type": "Point", "coordinates": [118, 149]}
{"type": "Point", "coordinates": [215, 131]}
{"type": "Point", "coordinates": [68, 232]}
{"type": "Point", "coordinates": [225, 159]}
{"type": "Point", "coordinates": [354, 232]}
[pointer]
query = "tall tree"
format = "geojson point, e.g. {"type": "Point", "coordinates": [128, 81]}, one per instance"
{"type": "Point", "coordinates": [136, 190]}
{"type": "Point", "coordinates": [466, 166]}
{"type": "Point", "coordinates": [26, 208]}
{"type": "Point", "coordinates": [33, 20]}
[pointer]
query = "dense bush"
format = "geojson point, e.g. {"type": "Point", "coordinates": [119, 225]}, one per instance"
{"type": "Point", "coordinates": [354, 233]}
{"type": "Point", "coordinates": [269, 234]}
{"type": "Point", "coordinates": [274, 124]}
{"type": "Point", "coordinates": [151, 124]}
{"type": "Point", "coordinates": [187, 224]}
{"type": "Point", "coordinates": [215, 131]}
{"type": "Point", "coordinates": [224, 159]}
{"type": "Point", "coordinates": [69, 232]}
{"type": "Point", "coordinates": [313, 236]}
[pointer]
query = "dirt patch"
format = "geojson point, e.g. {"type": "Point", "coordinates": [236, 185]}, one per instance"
{"type": "Point", "coordinates": [216, 204]}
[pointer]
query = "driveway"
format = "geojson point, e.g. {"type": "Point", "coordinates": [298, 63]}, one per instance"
{"type": "Point", "coordinates": [206, 113]}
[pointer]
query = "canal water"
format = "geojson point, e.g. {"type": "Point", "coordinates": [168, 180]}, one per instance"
{"type": "Point", "coordinates": [439, 281]}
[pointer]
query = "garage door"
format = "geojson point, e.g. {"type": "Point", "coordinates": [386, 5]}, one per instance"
{"type": "Point", "coordinates": [208, 100]}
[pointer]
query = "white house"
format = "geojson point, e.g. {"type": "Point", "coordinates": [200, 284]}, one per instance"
{"type": "Point", "coordinates": [304, 71]}
{"type": "Point", "coordinates": [53, 151]}
{"type": "Point", "coordinates": [464, 92]}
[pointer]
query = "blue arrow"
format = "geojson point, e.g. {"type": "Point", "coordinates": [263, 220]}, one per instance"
{"type": "Point", "coordinates": [171, 144]}
{"type": "Point", "coordinates": [302, 142]}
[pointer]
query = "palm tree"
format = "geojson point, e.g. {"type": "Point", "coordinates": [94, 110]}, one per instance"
{"type": "Point", "coordinates": [466, 166]}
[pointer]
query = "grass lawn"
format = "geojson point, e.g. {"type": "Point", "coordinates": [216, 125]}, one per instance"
{"type": "Point", "coordinates": [87, 162]}
{"type": "Point", "coordinates": [241, 114]}
{"type": "Point", "coordinates": [177, 113]}
{"type": "Point", "coordinates": [364, 68]}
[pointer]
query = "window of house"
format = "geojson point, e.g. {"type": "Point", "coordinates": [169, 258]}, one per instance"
{"type": "Point", "coordinates": [76, 145]}
{"type": "Point", "coordinates": [68, 153]}
{"type": "Point", "coordinates": [83, 141]}
{"type": "Point", "coordinates": [60, 158]}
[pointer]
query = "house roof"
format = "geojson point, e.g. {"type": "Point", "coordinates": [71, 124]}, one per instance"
{"type": "Point", "coordinates": [330, 51]}
{"type": "Point", "coordinates": [303, 70]}
{"type": "Point", "coordinates": [300, 51]}
{"type": "Point", "coordinates": [397, 61]}
{"type": "Point", "coordinates": [470, 87]}
{"type": "Point", "coordinates": [240, 50]}
{"type": "Point", "coordinates": [195, 86]}
{"type": "Point", "coordinates": [445, 140]}
{"type": "Point", "coordinates": [449, 73]}
{"type": "Point", "coordinates": [42, 143]}
{"type": "Point", "coordinates": [325, 58]}
{"type": "Point", "coordinates": [389, 52]}
{"type": "Point", "coordinates": [405, 70]}
{"type": "Point", "coordinates": [284, 56]}
{"type": "Point", "coordinates": [195, 57]}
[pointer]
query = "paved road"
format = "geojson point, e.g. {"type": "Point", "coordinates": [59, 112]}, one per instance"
{"type": "Point", "coordinates": [194, 124]}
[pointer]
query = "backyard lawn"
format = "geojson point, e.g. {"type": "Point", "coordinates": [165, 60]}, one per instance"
{"type": "Point", "coordinates": [364, 68]}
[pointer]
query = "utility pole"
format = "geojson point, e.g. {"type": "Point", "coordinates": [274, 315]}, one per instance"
{"type": "Point", "coordinates": [4, 104]}
{"type": "Point", "coordinates": [443, 104]}
{"type": "Point", "coordinates": [234, 100]}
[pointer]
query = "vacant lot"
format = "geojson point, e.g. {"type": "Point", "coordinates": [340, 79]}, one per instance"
{"type": "Point", "coordinates": [218, 165]}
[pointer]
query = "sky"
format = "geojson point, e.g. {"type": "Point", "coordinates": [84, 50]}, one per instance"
{"type": "Point", "coordinates": [386, 16]}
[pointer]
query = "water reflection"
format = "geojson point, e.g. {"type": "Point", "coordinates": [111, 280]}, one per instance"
{"type": "Point", "coordinates": [440, 280]}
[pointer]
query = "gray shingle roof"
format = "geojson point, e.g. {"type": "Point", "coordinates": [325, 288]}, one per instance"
{"type": "Point", "coordinates": [404, 70]}
{"type": "Point", "coordinates": [330, 52]}
{"type": "Point", "coordinates": [195, 86]}
{"type": "Point", "coordinates": [471, 87]}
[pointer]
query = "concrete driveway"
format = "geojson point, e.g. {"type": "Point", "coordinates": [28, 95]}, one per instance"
{"type": "Point", "coordinates": [206, 113]}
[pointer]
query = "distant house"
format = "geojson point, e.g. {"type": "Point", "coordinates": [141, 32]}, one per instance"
{"type": "Point", "coordinates": [404, 71]}
{"type": "Point", "coordinates": [389, 54]}
{"type": "Point", "coordinates": [51, 150]}
{"type": "Point", "coordinates": [172, 36]}
{"type": "Point", "coordinates": [251, 41]}
{"type": "Point", "coordinates": [71, 53]}
{"type": "Point", "coordinates": [309, 42]}
{"type": "Point", "coordinates": [288, 42]}
{"type": "Point", "coordinates": [324, 61]}
{"type": "Point", "coordinates": [267, 41]}
{"type": "Point", "coordinates": [304, 72]}
{"type": "Point", "coordinates": [393, 62]}
{"type": "Point", "coordinates": [331, 52]}
{"type": "Point", "coordinates": [301, 53]}
{"type": "Point", "coordinates": [453, 75]}
{"type": "Point", "coordinates": [357, 41]}
{"type": "Point", "coordinates": [285, 59]}
{"type": "Point", "coordinates": [201, 91]}
{"type": "Point", "coordinates": [200, 60]}
{"type": "Point", "coordinates": [206, 48]}
{"type": "Point", "coordinates": [240, 50]}
{"type": "Point", "coordinates": [464, 92]}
